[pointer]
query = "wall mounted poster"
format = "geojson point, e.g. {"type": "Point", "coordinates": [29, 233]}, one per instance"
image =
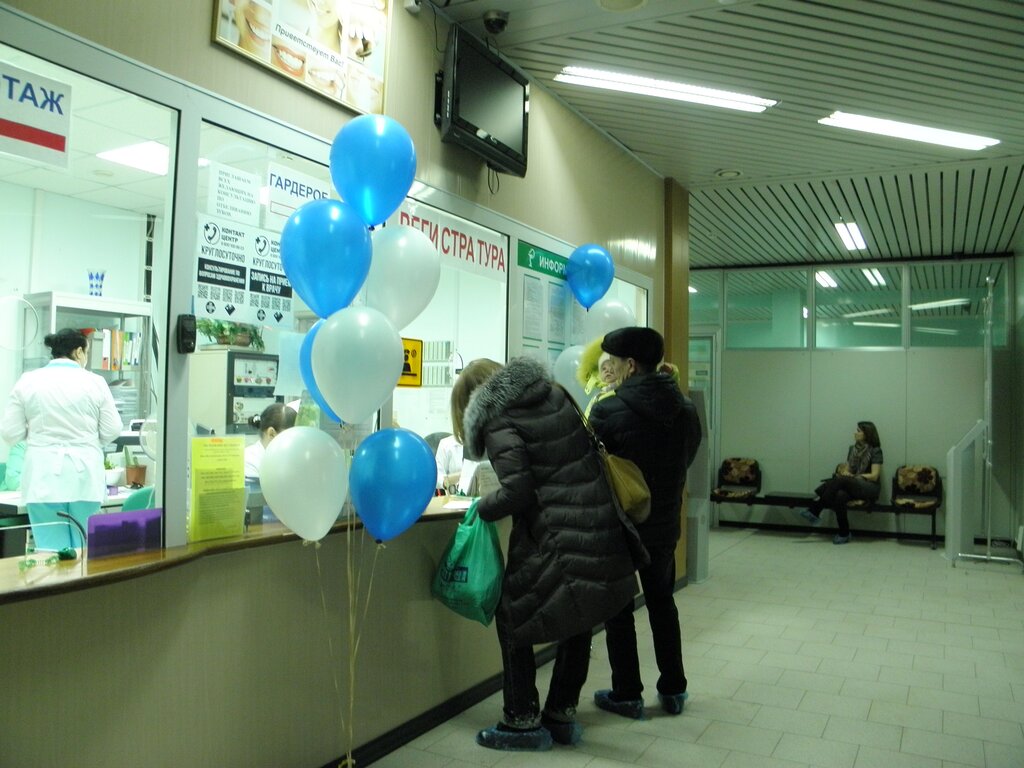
{"type": "Point", "coordinates": [335, 47]}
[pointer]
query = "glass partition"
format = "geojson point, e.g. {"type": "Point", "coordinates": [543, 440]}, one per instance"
{"type": "Point", "coordinates": [947, 304]}
{"type": "Point", "coordinates": [86, 201]}
{"type": "Point", "coordinates": [766, 309]}
{"type": "Point", "coordinates": [858, 307]}
{"type": "Point", "coordinates": [244, 379]}
{"type": "Point", "coordinates": [705, 297]}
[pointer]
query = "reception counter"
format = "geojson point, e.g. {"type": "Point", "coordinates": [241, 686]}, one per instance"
{"type": "Point", "coordinates": [20, 583]}
{"type": "Point", "coordinates": [233, 652]}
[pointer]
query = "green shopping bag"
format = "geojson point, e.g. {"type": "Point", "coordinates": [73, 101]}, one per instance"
{"type": "Point", "coordinates": [468, 579]}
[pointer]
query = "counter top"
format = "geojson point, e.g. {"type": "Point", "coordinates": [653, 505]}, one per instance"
{"type": "Point", "coordinates": [40, 580]}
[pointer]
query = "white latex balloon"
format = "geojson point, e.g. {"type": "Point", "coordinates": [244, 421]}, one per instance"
{"type": "Point", "coordinates": [564, 371]}
{"type": "Point", "coordinates": [304, 480]}
{"type": "Point", "coordinates": [606, 315]}
{"type": "Point", "coordinates": [404, 273]}
{"type": "Point", "coordinates": [357, 361]}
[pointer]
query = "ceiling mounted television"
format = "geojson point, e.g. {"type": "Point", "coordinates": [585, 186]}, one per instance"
{"type": "Point", "coordinates": [483, 103]}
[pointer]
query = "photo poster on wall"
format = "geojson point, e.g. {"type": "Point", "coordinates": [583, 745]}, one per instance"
{"type": "Point", "coordinates": [333, 47]}
{"type": "Point", "coordinates": [546, 317]}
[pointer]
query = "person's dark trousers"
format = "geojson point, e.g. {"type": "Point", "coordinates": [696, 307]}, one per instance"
{"type": "Point", "coordinates": [519, 678]}
{"type": "Point", "coordinates": [657, 581]}
{"type": "Point", "coordinates": [837, 492]}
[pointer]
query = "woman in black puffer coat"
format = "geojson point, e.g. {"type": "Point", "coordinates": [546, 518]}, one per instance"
{"type": "Point", "coordinates": [569, 565]}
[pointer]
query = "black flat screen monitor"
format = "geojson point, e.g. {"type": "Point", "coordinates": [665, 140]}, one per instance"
{"type": "Point", "coordinates": [485, 103]}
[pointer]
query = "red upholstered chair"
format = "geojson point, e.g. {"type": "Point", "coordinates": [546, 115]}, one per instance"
{"type": "Point", "coordinates": [739, 480]}
{"type": "Point", "coordinates": [917, 490]}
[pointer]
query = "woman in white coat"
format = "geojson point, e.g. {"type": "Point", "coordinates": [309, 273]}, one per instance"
{"type": "Point", "coordinates": [66, 414]}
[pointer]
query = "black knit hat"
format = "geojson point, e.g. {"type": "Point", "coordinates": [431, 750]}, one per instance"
{"type": "Point", "coordinates": [644, 345]}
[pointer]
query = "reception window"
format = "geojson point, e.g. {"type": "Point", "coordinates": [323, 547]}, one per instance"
{"type": "Point", "coordinates": [86, 178]}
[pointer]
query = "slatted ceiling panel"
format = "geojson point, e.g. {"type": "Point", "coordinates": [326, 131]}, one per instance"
{"type": "Point", "coordinates": [955, 64]}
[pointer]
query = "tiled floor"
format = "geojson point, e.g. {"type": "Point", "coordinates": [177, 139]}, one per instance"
{"type": "Point", "coordinates": [873, 655]}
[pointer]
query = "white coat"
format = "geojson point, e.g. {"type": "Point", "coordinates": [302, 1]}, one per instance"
{"type": "Point", "coordinates": [254, 460]}
{"type": "Point", "coordinates": [449, 459]}
{"type": "Point", "coordinates": [66, 414]}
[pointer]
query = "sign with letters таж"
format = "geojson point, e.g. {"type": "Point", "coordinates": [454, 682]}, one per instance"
{"type": "Point", "coordinates": [35, 116]}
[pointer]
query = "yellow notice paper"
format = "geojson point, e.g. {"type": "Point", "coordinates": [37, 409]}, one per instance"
{"type": "Point", "coordinates": [218, 488]}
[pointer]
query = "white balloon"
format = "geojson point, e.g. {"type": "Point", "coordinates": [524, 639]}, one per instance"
{"type": "Point", "coordinates": [357, 361]}
{"type": "Point", "coordinates": [404, 273]}
{"type": "Point", "coordinates": [304, 480]}
{"type": "Point", "coordinates": [566, 365]}
{"type": "Point", "coordinates": [606, 315]}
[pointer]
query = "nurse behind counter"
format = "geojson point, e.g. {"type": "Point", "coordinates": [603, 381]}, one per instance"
{"type": "Point", "coordinates": [275, 418]}
{"type": "Point", "coordinates": [66, 415]}
{"type": "Point", "coordinates": [454, 473]}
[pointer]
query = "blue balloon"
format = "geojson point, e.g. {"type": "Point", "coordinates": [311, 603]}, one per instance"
{"type": "Point", "coordinates": [325, 252]}
{"type": "Point", "coordinates": [391, 480]}
{"type": "Point", "coordinates": [373, 162]}
{"type": "Point", "coordinates": [589, 272]}
{"type": "Point", "coordinates": [306, 369]}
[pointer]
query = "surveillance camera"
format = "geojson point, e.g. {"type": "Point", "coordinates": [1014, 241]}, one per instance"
{"type": "Point", "coordinates": [496, 22]}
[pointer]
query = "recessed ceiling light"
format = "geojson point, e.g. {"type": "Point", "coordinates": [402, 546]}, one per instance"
{"type": "Point", "coordinates": [941, 303]}
{"type": "Point", "coordinates": [148, 156]}
{"type": "Point", "coordinates": [850, 235]}
{"type": "Point", "coordinates": [692, 289]}
{"type": "Point", "coordinates": [869, 313]}
{"type": "Point", "coordinates": [728, 173]}
{"type": "Point", "coordinates": [662, 89]}
{"type": "Point", "coordinates": [825, 280]}
{"type": "Point", "coordinates": [874, 277]}
{"type": "Point", "coordinates": [876, 325]}
{"type": "Point", "coordinates": [621, 5]}
{"type": "Point", "coordinates": [907, 131]}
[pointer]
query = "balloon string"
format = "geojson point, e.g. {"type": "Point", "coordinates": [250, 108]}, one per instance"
{"type": "Point", "coordinates": [330, 641]}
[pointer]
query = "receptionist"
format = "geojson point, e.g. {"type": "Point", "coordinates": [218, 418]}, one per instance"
{"type": "Point", "coordinates": [275, 418]}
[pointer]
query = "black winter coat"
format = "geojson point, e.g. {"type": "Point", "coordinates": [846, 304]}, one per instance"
{"type": "Point", "coordinates": [651, 422]}
{"type": "Point", "coordinates": [569, 568]}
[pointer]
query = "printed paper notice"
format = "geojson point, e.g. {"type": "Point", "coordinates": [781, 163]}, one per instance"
{"type": "Point", "coordinates": [218, 488]}
{"type": "Point", "coordinates": [533, 308]}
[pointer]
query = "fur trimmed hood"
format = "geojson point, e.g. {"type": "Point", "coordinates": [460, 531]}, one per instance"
{"type": "Point", "coordinates": [521, 382]}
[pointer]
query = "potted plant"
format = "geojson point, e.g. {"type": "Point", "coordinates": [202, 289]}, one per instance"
{"type": "Point", "coordinates": [111, 474]}
{"type": "Point", "coordinates": [134, 473]}
{"type": "Point", "coordinates": [231, 334]}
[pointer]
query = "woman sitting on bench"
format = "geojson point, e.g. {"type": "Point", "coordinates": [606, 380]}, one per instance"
{"type": "Point", "coordinates": [858, 478]}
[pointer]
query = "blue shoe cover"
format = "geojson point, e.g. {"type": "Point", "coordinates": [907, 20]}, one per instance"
{"type": "Point", "coordinates": [562, 732]}
{"type": "Point", "coordinates": [536, 740]}
{"type": "Point", "coordinates": [632, 708]}
{"type": "Point", "coordinates": [673, 703]}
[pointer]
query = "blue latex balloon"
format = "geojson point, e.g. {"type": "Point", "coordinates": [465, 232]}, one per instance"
{"type": "Point", "coordinates": [325, 252]}
{"type": "Point", "coordinates": [306, 369]}
{"type": "Point", "coordinates": [589, 273]}
{"type": "Point", "coordinates": [373, 162]}
{"type": "Point", "coordinates": [391, 480]}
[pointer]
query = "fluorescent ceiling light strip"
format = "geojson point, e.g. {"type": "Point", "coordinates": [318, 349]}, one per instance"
{"type": "Point", "coordinates": [871, 278]}
{"type": "Point", "coordinates": [907, 131]}
{"type": "Point", "coordinates": [940, 303]}
{"type": "Point", "coordinates": [869, 313]}
{"type": "Point", "coordinates": [825, 280]}
{"type": "Point", "coordinates": [850, 235]}
{"type": "Point", "coordinates": [875, 325]}
{"type": "Point", "coordinates": [878, 276]}
{"type": "Point", "coordinates": [939, 331]}
{"type": "Point", "coordinates": [664, 89]}
{"type": "Point", "coordinates": [148, 156]}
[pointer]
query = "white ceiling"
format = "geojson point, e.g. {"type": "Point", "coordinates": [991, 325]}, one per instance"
{"type": "Point", "coordinates": [954, 64]}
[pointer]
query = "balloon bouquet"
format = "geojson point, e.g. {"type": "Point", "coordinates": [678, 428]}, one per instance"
{"type": "Point", "coordinates": [352, 358]}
